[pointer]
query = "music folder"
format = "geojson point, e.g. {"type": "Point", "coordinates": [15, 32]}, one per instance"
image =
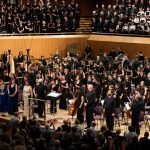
{"type": "Point", "coordinates": [54, 94]}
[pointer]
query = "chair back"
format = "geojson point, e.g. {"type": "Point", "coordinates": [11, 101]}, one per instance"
{"type": "Point", "coordinates": [98, 110]}
{"type": "Point", "coordinates": [141, 116]}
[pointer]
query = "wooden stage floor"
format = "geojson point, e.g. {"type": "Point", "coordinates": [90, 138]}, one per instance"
{"type": "Point", "coordinates": [63, 114]}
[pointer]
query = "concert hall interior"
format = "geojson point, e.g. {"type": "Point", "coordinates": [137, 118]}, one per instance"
{"type": "Point", "coordinates": [74, 74]}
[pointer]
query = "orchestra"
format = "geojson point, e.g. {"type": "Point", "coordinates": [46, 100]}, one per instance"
{"type": "Point", "coordinates": [85, 82]}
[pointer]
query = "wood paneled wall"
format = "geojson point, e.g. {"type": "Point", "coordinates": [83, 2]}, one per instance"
{"type": "Point", "coordinates": [47, 45]}
{"type": "Point", "coordinates": [130, 45]}
{"type": "Point", "coordinates": [43, 45]}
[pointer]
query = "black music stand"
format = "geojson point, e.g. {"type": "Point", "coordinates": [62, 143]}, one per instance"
{"type": "Point", "coordinates": [53, 96]}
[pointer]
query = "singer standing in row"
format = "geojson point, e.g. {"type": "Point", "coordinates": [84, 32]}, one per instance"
{"type": "Point", "coordinates": [12, 90]}
{"type": "Point", "coordinates": [90, 103]}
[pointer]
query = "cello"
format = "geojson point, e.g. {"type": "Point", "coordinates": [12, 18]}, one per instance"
{"type": "Point", "coordinates": [72, 110]}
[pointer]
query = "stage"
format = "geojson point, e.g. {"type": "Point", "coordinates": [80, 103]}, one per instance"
{"type": "Point", "coordinates": [63, 114]}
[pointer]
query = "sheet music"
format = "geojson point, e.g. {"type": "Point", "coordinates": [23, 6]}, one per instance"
{"type": "Point", "coordinates": [54, 94]}
{"type": "Point", "coordinates": [70, 101]}
{"type": "Point", "coordinates": [127, 106]}
{"type": "Point", "coordinates": [102, 102]}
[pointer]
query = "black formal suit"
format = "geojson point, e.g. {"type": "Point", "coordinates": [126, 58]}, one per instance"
{"type": "Point", "coordinates": [90, 100]}
{"type": "Point", "coordinates": [136, 107]}
{"type": "Point", "coordinates": [110, 108]}
{"type": "Point", "coordinates": [40, 90]}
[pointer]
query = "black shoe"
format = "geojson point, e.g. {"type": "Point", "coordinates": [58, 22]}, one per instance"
{"type": "Point", "coordinates": [41, 116]}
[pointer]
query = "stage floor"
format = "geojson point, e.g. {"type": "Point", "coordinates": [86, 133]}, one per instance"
{"type": "Point", "coordinates": [63, 114]}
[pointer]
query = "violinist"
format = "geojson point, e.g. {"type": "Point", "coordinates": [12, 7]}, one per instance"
{"type": "Point", "coordinates": [88, 51]}
{"type": "Point", "coordinates": [20, 57]}
{"type": "Point", "coordinates": [64, 89]}
{"type": "Point", "coordinates": [118, 95]}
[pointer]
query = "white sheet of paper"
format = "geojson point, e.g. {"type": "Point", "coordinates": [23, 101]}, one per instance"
{"type": "Point", "coordinates": [54, 94]}
{"type": "Point", "coordinates": [102, 102]}
{"type": "Point", "coordinates": [127, 106]}
{"type": "Point", "coordinates": [70, 101]}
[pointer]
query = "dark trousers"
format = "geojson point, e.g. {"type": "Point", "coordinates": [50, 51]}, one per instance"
{"type": "Point", "coordinates": [135, 124]}
{"type": "Point", "coordinates": [11, 106]}
{"type": "Point", "coordinates": [40, 108]}
{"type": "Point", "coordinates": [80, 115]}
{"type": "Point", "coordinates": [110, 122]}
{"type": "Point", "coordinates": [53, 108]}
{"type": "Point", "coordinates": [89, 117]}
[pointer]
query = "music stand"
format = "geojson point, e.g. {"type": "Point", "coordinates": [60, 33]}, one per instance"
{"type": "Point", "coordinates": [53, 96]}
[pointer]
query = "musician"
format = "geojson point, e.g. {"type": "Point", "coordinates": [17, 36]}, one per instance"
{"type": "Point", "coordinates": [54, 88]}
{"type": "Point", "coordinates": [5, 59]}
{"type": "Point", "coordinates": [118, 95]}
{"type": "Point", "coordinates": [97, 87]}
{"type": "Point", "coordinates": [88, 52]}
{"type": "Point", "coordinates": [64, 89]}
{"type": "Point", "coordinates": [43, 61]}
{"type": "Point", "coordinates": [40, 90]}
{"type": "Point", "coordinates": [110, 109]}
{"type": "Point", "coordinates": [80, 104]}
{"type": "Point", "coordinates": [6, 77]}
{"type": "Point", "coordinates": [20, 57]}
{"type": "Point", "coordinates": [90, 103]}
{"type": "Point", "coordinates": [136, 108]}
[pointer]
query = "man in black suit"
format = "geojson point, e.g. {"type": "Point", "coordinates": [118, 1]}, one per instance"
{"type": "Point", "coordinates": [136, 108]}
{"type": "Point", "coordinates": [90, 103]}
{"type": "Point", "coordinates": [40, 91]}
{"type": "Point", "coordinates": [110, 109]}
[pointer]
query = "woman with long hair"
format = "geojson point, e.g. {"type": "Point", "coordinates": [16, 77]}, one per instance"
{"type": "Point", "coordinates": [27, 92]}
{"type": "Point", "coordinates": [12, 90]}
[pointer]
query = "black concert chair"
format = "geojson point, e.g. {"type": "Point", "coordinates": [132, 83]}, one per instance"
{"type": "Point", "coordinates": [98, 114]}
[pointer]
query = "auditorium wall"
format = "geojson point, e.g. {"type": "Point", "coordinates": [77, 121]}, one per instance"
{"type": "Point", "coordinates": [43, 45]}
{"type": "Point", "coordinates": [130, 45]}
{"type": "Point", "coordinates": [48, 45]}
